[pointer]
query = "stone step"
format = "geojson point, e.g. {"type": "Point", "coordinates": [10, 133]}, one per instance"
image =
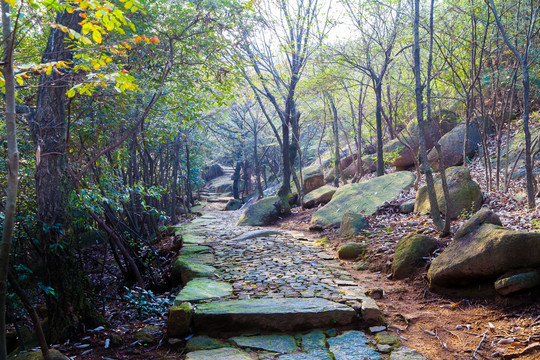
{"type": "Point", "coordinates": [285, 314]}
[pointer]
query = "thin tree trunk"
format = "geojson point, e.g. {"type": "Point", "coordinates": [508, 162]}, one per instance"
{"type": "Point", "coordinates": [12, 167]}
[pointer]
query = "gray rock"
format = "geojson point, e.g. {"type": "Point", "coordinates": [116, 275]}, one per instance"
{"type": "Point", "coordinates": [187, 268]}
{"type": "Point", "coordinates": [352, 224]}
{"type": "Point", "coordinates": [277, 343]}
{"type": "Point", "coordinates": [452, 146]}
{"type": "Point", "coordinates": [484, 254]}
{"type": "Point", "coordinates": [314, 340]}
{"type": "Point", "coordinates": [352, 345]}
{"type": "Point", "coordinates": [219, 354]}
{"type": "Point", "coordinates": [407, 207]}
{"type": "Point", "coordinates": [465, 193]}
{"type": "Point", "coordinates": [200, 289]}
{"type": "Point", "coordinates": [410, 252]}
{"type": "Point", "coordinates": [319, 196]}
{"type": "Point", "coordinates": [351, 251]}
{"type": "Point", "coordinates": [363, 198]}
{"type": "Point", "coordinates": [149, 334]}
{"type": "Point", "coordinates": [264, 212]}
{"type": "Point", "coordinates": [256, 234]}
{"type": "Point", "coordinates": [203, 342]}
{"type": "Point", "coordinates": [285, 314]}
{"type": "Point", "coordinates": [313, 179]}
{"type": "Point", "coordinates": [233, 204]}
{"type": "Point", "coordinates": [510, 284]}
{"type": "Point", "coordinates": [315, 355]}
{"type": "Point", "coordinates": [484, 215]}
{"type": "Point", "coordinates": [405, 353]}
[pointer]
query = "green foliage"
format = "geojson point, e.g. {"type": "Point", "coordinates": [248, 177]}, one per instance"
{"type": "Point", "coordinates": [146, 303]}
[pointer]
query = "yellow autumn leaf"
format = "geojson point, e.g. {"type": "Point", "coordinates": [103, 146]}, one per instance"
{"type": "Point", "coordinates": [49, 70]}
{"type": "Point", "coordinates": [12, 3]}
{"type": "Point", "coordinates": [96, 35]}
{"type": "Point", "coordinates": [20, 80]}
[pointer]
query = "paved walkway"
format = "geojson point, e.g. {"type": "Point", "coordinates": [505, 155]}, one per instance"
{"type": "Point", "coordinates": [270, 263]}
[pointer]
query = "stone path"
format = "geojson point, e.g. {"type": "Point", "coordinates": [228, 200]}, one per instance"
{"type": "Point", "coordinates": [282, 282]}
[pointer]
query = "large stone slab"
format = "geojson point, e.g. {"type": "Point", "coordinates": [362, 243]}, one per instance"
{"type": "Point", "coordinates": [315, 355]}
{"type": "Point", "coordinates": [276, 343]}
{"type": "Point", "coordinates": [287, 314]}
{"type": "Point", "coordinates": [256, 234]}
{"type": "Point", "coordinates": [322, 195]}
{"type": "Point", "coordinates": [186, 270]}
{"type": "Point", "coordinates": [219, 354]}
{"type": "Point", "coordinates": [200, 289]}
{"type": "Point", "coordinates": [363, 198]}
{"type": "Point", "coordinates": [313, 341]}
{"type": "Point", "coordinates": [352, 345]}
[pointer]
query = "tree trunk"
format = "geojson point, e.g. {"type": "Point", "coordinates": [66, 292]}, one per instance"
{"type": "Point", "coordinates": [236, 178]}
{"type": "Point", "coordinates": [434, 207]}
{"type": "Point", "coordinates": [378, 121]}
{"type": "Point", "coordinates": [68, 306]}
{"type": "Point", "coordinates": [12, 167]}
{"type": "Point", "coordinates": [336, 138]}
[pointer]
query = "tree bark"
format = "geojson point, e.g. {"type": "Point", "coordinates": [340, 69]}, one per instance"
{"type": "Point", "coordinates": [12, 167]}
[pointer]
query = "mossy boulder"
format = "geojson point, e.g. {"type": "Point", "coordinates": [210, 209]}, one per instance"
{"type": "Point", "coordinates": [179, 321]}
{"type": "Point", "coordinates": [465, 193]}
{"type": "Point", "coordinates": [407, 207]}
{"type": "Point", "coordinates": [388, 338]}
{"type": "Point", "coordinates": [313, 179]}
{"type": "Point", "coordinates": [410, 252]}
{"type": "Point", "coordinates": [319, 196]}
{"type": "Point", "coordinates": [233, 204]}
{"type": "Point", "coordinates": [483, 216]}
{"type": "Point", "coordinates": [452, 146]}
{"type": "Point", "coordinates": [352, 224]}
{"type": "Point", "coordinates": [264, 212]}
{"type": "Point", "coordinates": [363, 198]}
{"type": "Point", "coordinates": [351, 251]}
{"type": "Point", "coordinates": [484, 255]}
{"type": "Point", "coordinates": [369, 165]}
{"type": "Point", "coordinates": [512, 283]}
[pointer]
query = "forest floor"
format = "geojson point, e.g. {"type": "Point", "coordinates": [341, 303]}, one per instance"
{"type": "Point", "coordinates": [439, 326]}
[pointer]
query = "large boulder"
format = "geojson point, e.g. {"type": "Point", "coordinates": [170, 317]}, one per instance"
{"type": "Point", "coordinates": [363, 198]}
{"type": "Point", "coordinates": [411, 251]}
{"type": "Point", "coordinates": [322, 195]}
{"type": "Point", "coordinates": [465, 193]}
{"type": "Point", "coordinates": [263, 212]}
{"type": "Point", "coordinates": [351, 251]}
{"type": "Point", "coordinates": [313, 179]}
{"type": "Point", "coordinates": [352, 224]}
{"type": "Point", "coordinates": [484, 254]}
{"type": "Point", "coordinates": [213, 171]}
{"type": "Point", "coordinates": [402, 156]}
{"type": "Point", "coordinates": [233, 204]}
{"type": "Point", "coordinates": [452, 146]}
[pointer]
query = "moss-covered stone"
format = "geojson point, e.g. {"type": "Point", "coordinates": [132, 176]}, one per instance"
{"type": "Point", "coordinates": [264, 212]}
{"type": "Point", "coordinates": [410, 251]}
{"type": "Point", "coordinates": [322, 195]}
{"type": "Point", "coordinates": [352, 224]}
{"type": "Point", "coordinates": [387, 338]}
{"type": "Point", "coordinates": [275, 343]}
{"type": "Point", "coordinates": [351, 251]}
{"type": "Point", "coordinates": [363, 198]}
{"type": "Point", "coordinates": [179, 322]}
{"type": "Point", "coordinates": [191, 249]}
{"type": "Point", "coordinates": [465, 193]}
{"type": "Point", "coordinates": [219, 354]}
{"type": "Point", "coordinates": [484, 254]}
{"type": "Point", "coordinates": [233, 204]}
{"type": "Point", "coordinates": [313, 179]}
{"type": "Point", "coordinates": [484, 215]}
{"type": "Point", "coordinates": [509, 284]}
{"type": "Point", "coordinates": [203, 342]}
{"type": "Point", "coordinates": [200, 289]}
{"type": "Point", "coordinates": [185, 269]}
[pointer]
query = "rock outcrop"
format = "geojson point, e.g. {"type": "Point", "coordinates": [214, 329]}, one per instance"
{"type": "Point", "coordinates": [484, 252]}
{"type": "Point", "coordinates": [263, 212]}
{"type": "Point", "coordinates": [352, 223]}
{"type": "Point", "coordinates": [465, 194]}
{"type": "Point", "coordinates": [410, 252]}
{"type": "Point", "coordinates": [319, 196]}
{"type": "Point", "coordinates": [452, 146]}
{"type": "Point", "coordinates": [363, 198]}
